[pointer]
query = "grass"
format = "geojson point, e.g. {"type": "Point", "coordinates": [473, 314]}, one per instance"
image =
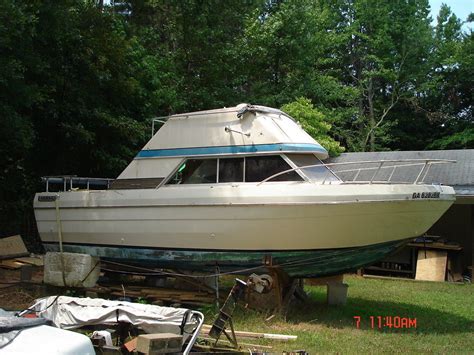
{"type": "Point", "coordinates": [444, 315]}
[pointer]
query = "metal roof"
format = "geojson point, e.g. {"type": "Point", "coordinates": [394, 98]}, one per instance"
{"type": "Point", "coordinates": [459, 175]}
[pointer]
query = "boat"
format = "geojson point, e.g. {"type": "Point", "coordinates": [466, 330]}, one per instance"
{"type": "Point", "coordinates": [236, 190]}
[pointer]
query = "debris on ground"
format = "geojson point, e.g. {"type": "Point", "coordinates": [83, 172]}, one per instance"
{"type": "Point", "coordinates": [11, 247]}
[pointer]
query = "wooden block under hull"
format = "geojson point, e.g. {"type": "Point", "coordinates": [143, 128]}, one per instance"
{"type": "Point", "coordinates": [431, 265]}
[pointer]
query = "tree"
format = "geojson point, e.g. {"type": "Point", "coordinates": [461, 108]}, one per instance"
{"type": "Point", "coordinates": [17, 29]}
{"type": "Point", "coordinates": [448, 92]}
{"type": "Point", "coordinates": [201, 40]}
{"type": "Point", "coordinates": [314, 123]}
{"type": "Point", "coordinates": [387, 44]}
{"type": "Point", "coordinates": [76, 92]}
{"type": "Point", "coordinates": [292, 49]}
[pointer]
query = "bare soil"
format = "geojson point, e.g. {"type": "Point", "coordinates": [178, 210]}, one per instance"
{"type": "Point", "coordinates": [16, 295]}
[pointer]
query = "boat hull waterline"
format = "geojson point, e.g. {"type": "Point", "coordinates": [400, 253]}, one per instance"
{"type": "Point", "coordinates": [298, 264]}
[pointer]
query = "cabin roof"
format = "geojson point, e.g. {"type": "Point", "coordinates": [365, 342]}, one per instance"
{"type": "Point", "coordinates": [240, 129]}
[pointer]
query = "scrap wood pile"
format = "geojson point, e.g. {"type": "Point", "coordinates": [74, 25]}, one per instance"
{"type": "Point", "coordinates": [14, 255]}
{"type": "Point", "coordinates": [241, 335]}
{"type": "Point", "coordinates": [251, 335]}
{"type": "Point", "coordinates": [208, 345]}
{"type": "Point", "coordinates": [154, 294]}
{"type": "Point", "coordinates": [18, 263]}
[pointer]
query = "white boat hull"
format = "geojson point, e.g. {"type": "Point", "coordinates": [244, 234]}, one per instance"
{"type": "Point", "coordinates": [314, 218]}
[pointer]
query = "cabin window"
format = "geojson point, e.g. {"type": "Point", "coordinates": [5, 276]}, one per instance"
{"type": "Point", "coordinates": [231, 169]}
{"type": "Point", "coordinates": [262, 167]}
{"type": "Point", "coordinates": [316, 174]}
{"type": "Point", "coordinates": [196, 171]}
{"type": "Point", "coordinates": [255, 169]}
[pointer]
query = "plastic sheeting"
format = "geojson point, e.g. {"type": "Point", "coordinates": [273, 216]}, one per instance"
{"type": "Point", "coordinates": [72, 312]}
{"type": "Point", "coordinates": [11, 326]}
{"type": "Point", "coordinates": [46, 340]}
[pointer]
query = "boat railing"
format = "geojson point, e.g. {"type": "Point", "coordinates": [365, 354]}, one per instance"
{"type": "Point", "coordinates": [389, 167]}
{"type": "Point", "coordinates": [158, 122]}
{"type": "Point", "coordinates": [69, 182]}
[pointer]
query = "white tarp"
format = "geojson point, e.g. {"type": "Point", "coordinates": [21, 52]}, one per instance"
{"type": "Point", "coordinates": [73, 312]}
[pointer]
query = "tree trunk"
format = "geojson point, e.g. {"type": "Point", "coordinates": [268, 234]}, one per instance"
{"type": "Point", "coordinates": [370, 97]}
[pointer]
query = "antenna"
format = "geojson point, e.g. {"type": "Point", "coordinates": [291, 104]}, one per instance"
{"type": "Point", "coordinates": [161, 119]}
{"type": "Point", "coordinates": [228, 129]}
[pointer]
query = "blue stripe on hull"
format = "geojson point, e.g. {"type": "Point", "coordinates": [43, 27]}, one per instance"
{"type": "Point", "coordinates": [232, 149]}
{"type": "Point", "coordinates": [301, 264]}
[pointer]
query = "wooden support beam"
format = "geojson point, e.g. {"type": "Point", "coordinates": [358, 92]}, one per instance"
{"type": "Point", "coordinates": [242, 334]}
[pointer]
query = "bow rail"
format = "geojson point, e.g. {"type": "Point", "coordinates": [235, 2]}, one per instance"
{"type": "Point", "coordinates": [425, 165]}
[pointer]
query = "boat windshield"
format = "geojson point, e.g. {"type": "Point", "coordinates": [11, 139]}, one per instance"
{"type": "Point", "coordinates": [233, 169]}
{"type": "Point", "coordinates": [316, 173]}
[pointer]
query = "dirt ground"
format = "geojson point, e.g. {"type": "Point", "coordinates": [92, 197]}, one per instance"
{"type": "Point", "coordinates": [17, 298]}
{"type": "Point", "coordinates": [16, 295]}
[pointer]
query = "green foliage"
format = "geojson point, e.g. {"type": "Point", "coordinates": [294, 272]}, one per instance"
{"type": "Point", "coordinates": [463, 139]}
{"type": "Point", "coordinates": [386, 47]}
{"type": "Point", "coordinates": [78, 83]}
{"type": "Point", "coordinates": [142, 300]}
{"type": "Point", "coordinates": [77, 91]}
{"type": "Point", "coordinates": [314, 123]}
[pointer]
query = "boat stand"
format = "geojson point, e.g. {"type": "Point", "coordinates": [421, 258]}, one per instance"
{"type": "Point", "coordinates": [278, 291]}
{"type": "Point", "coordinates": [224, 318]}
{"type": "Point", "coordinates": [232, 338]}
{"type": "Point", "coordinates": [259, 291]}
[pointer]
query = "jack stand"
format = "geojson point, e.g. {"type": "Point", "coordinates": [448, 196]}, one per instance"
{"type": "Point", "coordinates": [225, 314]}
{"type": "Point", "coordinates": [276, 286]}
{"type": "Point", "coordinates": [217, 287]}
{"type": "Point", "coordinates": [232, 338]}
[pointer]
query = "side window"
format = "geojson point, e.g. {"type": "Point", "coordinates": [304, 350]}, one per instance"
{"type": "Point", "coordinates": [316, 173]}
{"type": "Point", "coordinates": [231, 169]}
{"type": "Point", "coordinates": [196, 171]}
{"type": "Point", "coordinates": [260, 168]}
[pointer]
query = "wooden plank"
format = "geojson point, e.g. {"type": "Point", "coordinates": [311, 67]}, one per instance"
{"type": "Point", "coordinates": [431, 265]}
{"type": "Point", "coordinates": [240, 343]}
{"type": "Point", "coordinates": [127, 294]}
{"type": "Point", "coordinates": [11, 264]}
{"type": "Point", "coordinates": [242, 334]}
{"type": "Point", "coordinates": [12, 247]}
{"type": "Point", "coordinates": [436, 245]}
{"type": "Point", "coordinates": [367, 276]}
{"type": "Point", "coordinates": [36, 261]}
{"type": "Point", "coordinates": [131, 345]}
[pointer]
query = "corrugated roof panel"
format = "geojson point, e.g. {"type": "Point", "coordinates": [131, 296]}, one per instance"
{"type": "Point", "coordinates": [460, 173]}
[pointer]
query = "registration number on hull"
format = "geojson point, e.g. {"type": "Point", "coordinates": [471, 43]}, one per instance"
{"type": "Point", "coordinates": [47, 198]}
{"type": "Point", "coordinates": [417, 195]}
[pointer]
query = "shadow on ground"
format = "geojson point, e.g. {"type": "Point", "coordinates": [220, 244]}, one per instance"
{"type": "Point", "coordinates": [428, 320]}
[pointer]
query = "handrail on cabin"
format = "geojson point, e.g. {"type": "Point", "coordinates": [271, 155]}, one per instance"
{"type": "Point", "coordinates": [71, 179]}
{"type": "Point", "coordinates": [240, 113]}
{"type": "Point", "coordinates": [426, 165]}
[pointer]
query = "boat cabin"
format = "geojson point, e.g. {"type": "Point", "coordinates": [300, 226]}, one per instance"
{"type": "Point", "coordinates": [243, 144]}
